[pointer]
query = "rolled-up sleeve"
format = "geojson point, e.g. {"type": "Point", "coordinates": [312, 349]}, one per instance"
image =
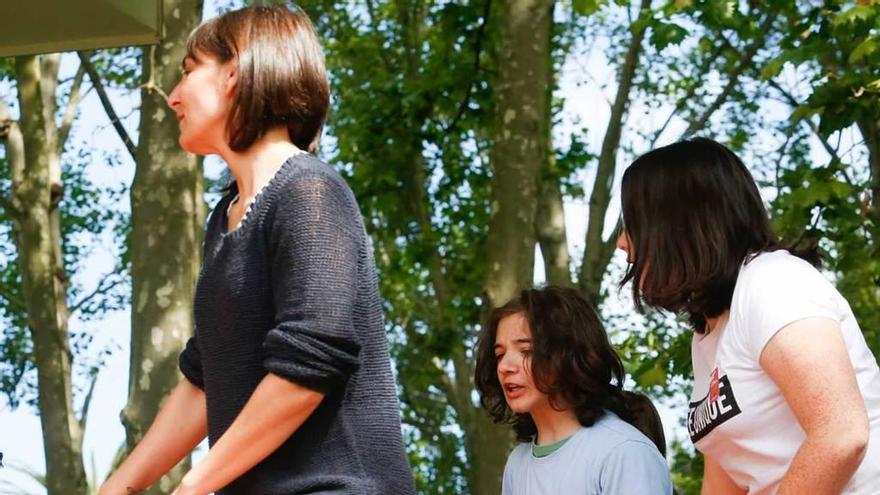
{"type": "Point", "coordinates": [315, 236]}
{"type": "Point", "coordinates": [190, 363]}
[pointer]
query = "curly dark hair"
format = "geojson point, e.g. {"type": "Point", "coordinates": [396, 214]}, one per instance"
{"type": "Point", "coordinates": [693, 214]}
{"type": "Point", "coordinates": [572, 362]}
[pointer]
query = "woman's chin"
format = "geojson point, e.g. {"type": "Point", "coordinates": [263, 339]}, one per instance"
{"type": "Point", "coordinates": [193, 147]}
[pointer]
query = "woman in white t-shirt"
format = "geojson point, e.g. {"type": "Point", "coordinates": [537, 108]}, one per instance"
{"type": "Point", "coordinates": [786, 396]}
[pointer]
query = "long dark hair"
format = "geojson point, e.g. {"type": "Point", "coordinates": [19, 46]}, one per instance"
{"type": "Point", "coordinates": [693, 215]}
{"type": "Point", "coordinates": [572, 362]}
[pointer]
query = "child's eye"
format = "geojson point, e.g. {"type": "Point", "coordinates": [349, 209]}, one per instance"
{"type": "Point", "coordinates": [499, 356]}
{"type": "Point", "coordinates": [526, 352]}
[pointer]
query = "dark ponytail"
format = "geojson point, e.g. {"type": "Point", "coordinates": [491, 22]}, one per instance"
{"type": "Point", "coordinates": [572, 362]}
{"type": "Point", "coordinates": [638, 410]}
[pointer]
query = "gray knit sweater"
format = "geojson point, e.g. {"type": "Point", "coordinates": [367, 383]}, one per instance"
{"type": "Point", "coordinates": [293, 291]}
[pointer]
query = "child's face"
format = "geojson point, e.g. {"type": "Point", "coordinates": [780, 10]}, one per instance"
{"type": "Point", "coordinates": [513, 358]}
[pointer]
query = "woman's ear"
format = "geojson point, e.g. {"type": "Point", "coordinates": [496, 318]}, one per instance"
{"type": "Point", "coordinates": [231, 78]}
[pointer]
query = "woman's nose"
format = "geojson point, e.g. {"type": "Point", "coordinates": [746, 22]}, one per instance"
{"type": "Point", "coordinates": [174, 98]}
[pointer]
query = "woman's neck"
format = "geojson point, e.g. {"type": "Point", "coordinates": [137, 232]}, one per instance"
{"type": "Point", "coordinates": [554, 425]}
{"type": "Point", "coordinates": [255, 166]}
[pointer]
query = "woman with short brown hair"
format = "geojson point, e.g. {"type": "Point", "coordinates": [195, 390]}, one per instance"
{"type": "Point", "coordinates": [288, 373]}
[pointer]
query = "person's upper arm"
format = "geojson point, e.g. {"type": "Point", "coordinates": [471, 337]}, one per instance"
{"type": "Point", "coordinates": [716, 481]}
{"type": "Point", "coordinates": [777, 292]}
{"type": "Point", "coordinates": [314, 244]}
{"type": "Point", "coordinates": [635, 467]}
{"type": "Point", "coordinates": [809, 362]}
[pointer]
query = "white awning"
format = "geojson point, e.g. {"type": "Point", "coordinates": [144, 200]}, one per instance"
{"type": "Point", "coordinates": [46, 26]}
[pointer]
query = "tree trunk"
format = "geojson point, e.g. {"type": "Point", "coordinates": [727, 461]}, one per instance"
{"type": "Point", "coordinates": [168, 211]}
{"type": "Point", "coordinates": [37, 191]}
{"type": "Point", "coordinates": [550, 216]}
{"type": "Point", "coordinates": [518, 155]}
{"type": "Point", "coordinates": [519, 149]}
{"type": "Point", "coordinates": [550, 229]}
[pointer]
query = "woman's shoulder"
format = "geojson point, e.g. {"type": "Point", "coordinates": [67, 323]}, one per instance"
{"type": "Point", "coordinates": [774, 263]}
{"type": "Point", "coordinates": [777, 270]}
{"type": "Point", "coordinates": [305, 165]}
{"type": "Point", "coordinates": [305, 179]}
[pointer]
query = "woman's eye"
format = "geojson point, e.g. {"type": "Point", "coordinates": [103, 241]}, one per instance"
{"type": "Point", "coordinates": [498, 357]}
{"type": "Point", "coordinates": [526, 352]}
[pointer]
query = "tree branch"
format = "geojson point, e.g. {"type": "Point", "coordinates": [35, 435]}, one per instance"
{"type": "Point", "coordinates": [689, 94]}
{"type": "Point", "coordinates": [100, 289]}
{"type": "Point", "coordinates": [812, 125]}
{"type": "Point", "coordinates": [478, 50]}
{"type": "Point", "coordinates": [105, 102]}
{"type": "Point", "coordinates": [70, 109]}
{"type": "Point", "coordinates": [591, 268]}
{"type": "Point", "coordinates": [742, 63]}
{"type": "Point", "coordinates": [87, 403]}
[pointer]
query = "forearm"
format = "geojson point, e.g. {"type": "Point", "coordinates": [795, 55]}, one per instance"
{"type": "Point", "coordinates": [274, 411]}
{"type": "Point", "coordinates": [823, 465]}
{"type": "Point", "coordinates": [180, 425]}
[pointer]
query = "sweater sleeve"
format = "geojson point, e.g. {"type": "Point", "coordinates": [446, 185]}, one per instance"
{"type": "Point", "coordinates": [190, 363]}
{"type": "Point", "coordinates": [314, 238]}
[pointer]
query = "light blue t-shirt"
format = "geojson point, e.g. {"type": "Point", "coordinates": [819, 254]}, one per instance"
{"type": "Point", "coordinates": [609, 458]}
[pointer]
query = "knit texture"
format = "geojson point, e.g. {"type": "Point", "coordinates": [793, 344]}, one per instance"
{"type": "Point", "coordinates": [293, 291]}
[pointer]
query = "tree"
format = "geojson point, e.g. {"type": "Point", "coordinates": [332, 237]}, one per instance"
{"type": "Point", "coordinates": [48, 206]}
{"type": "Point", "coordinates": [168, 214]}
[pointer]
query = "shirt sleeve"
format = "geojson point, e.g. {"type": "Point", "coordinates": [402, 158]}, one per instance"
{"type": "Point", "coordinates": [777, 291]}
{"type": "Point", "coordinates": [315, 235]}
{"type": "Point", "coordinates": [190, 363]}
{"type": "Point", "coordinates": [635, 468]}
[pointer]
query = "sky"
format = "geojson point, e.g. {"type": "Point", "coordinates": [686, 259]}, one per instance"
{"type": "Point", "coordinates": [20, 434]}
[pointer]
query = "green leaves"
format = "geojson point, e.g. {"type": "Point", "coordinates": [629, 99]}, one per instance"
{"type": "Point", "coordinates": [664, 34]}
{"type": "Point", "coordinates": [586, 7]}
{"type": "Point", "coordinates": [865, 50]}
{"type": "Point", "coordinates": [856, 17]}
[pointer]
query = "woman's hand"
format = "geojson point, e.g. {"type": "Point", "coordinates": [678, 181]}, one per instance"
{"type": "Point", "coordinates": [180, 425]}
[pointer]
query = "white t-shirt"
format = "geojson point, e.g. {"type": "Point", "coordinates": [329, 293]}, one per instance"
{"type": "Point", "coordinates": [738, 417]}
